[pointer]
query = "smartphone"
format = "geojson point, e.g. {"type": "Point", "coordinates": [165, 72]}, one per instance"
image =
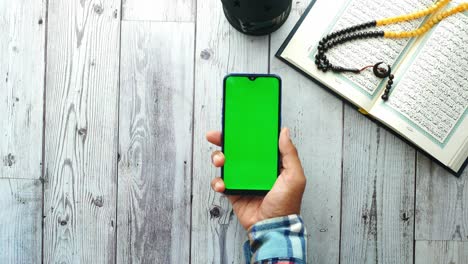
{"type": "Point", "coordinates": [251, 125]}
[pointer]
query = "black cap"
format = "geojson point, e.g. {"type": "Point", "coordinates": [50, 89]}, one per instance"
{"type": "Point", "coordinates": [257, 17]}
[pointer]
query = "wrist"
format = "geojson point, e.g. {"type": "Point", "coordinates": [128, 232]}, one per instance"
{"type": "Point", "coordinates": [273, 219]}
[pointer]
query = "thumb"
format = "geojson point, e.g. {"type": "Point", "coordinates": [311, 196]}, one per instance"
{"type": "Point", "coordinates": [290, 158]}
{"type": "Point", "coordinates": [292, 174]}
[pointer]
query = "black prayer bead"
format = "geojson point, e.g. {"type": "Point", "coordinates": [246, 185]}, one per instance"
{"type": "Point", "coordinates": [389, 86]}
{"type": "Point", "coordinates": [341, 36]}
{"type": "Point", "coordinates": [387, 91]}
{"type": "Point", "coordinates": [391, 76]}
{"type": "Point", "coordinates": [385, 97]}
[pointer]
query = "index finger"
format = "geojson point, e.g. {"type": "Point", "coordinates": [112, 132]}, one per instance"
{"type": "Point", "coordinates": [214, 137]}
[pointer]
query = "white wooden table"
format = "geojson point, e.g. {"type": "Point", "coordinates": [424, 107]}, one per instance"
{"type": "Point", "coordinates": [103, 110]}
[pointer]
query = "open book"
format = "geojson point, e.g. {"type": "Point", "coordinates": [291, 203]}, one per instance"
{"type": "Point", "coordinates": [428, 103]}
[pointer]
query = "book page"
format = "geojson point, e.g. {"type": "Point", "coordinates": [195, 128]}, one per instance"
{"type": "Point", "coordinates": [429, 101]}
{"type": "Point", "coordinates": [361, 89]}
{"type": "Point", "coordinates": [360, 53]}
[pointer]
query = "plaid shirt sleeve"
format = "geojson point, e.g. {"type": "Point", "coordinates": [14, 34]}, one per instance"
{"type": "Point", "coordinates": [280, 240]}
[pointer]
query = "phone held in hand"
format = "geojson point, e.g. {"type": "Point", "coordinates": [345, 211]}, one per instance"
{"type": "Point", "coordinates": [251, 125]}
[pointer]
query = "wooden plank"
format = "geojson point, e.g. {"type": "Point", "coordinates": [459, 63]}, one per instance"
{"type": "Point", "coordinates": [378, 194]}
{"type": "Point", "coordinates": [155, 142]}
{"type": "Point", "coordinates": [315, 118]}
{"type": "Point", "coordinates": [441, 203]}
{"type": "Point", "coordinates": [22, 43]}
{"type": "Point", "coordinates": [22, 68]}
{"type": "Point", "coordinates": [81, 131]}
{"type": "Point", "coordinates": [20, 221]}
{"type": "Point", "coordinates": [217, 236]}
{"type": "Point", "coordinates": [437, 252]}
{"type": "Point", "coordinates": [174, 10]}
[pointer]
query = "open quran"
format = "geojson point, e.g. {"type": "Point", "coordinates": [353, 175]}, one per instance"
{"type": "Point", "coordinates": [428, 103]}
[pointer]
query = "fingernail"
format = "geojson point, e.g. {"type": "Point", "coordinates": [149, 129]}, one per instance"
{"type": "Point", "coordinates": [218, 185]}
{"type": "Point", "coordinates": [217, 158]}
{"type": "Point", "coordinates": [286, 131]}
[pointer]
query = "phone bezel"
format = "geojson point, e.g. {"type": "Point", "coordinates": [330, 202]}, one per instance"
{"type": "Point", "coordinates": [250, 75]}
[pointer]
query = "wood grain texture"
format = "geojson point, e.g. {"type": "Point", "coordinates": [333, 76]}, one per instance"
{"type": "Point", "coordinates": [159, 10]}
{"type": "Point", "coordinates": [441, 252]}
{"type": "Point", "coordinates": [20, 221]}
{"type": "Point", "coordinates": [217, 237]}
{"type": "Point", "coordinates": [81, 131]}
{"type": "Point", "coordinates": [441, 200]}
{"type": "Point", "coordinates": [22, 42]}
{"type": "Point", "coordinates": [315, 119]}
{"type": "Point", "coordinates": [155, 142]}
{"type": "Point", "coordinates": [378, 194]}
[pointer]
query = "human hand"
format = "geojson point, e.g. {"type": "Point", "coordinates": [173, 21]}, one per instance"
{"type": "Point", "coordinates": [283, 199]}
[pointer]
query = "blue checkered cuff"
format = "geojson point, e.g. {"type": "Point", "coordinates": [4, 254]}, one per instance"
{"type": "Point", "coordinates": [277, 239]}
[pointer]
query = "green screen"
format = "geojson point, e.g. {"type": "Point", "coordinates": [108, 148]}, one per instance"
{"type": "Point", "coordinates": [251, 130]}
